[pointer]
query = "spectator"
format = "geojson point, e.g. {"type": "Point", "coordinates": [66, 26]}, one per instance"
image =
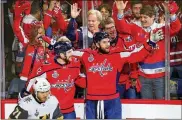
{"type": "Point", "coordinates": [92, 4]}
{"type": "Point", "coordinates": [35, 50]}
{"type": "Point", "coordinates": [54, 21]}
{"type": "Point", "coordinates": [35, 15]}
{"type": "Point", "coordinates": [136, 6]}
{"type": "Point", "coordinates": [152, 69]}
{"type": "Point", "coordinates": [105, 10]}
{"type": "Point", "coordinates": [94, 20]}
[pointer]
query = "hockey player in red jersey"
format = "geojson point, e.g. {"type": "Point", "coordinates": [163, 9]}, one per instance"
{"type": "Point", "coordinates": [63, 72]}
{"type": "Point", "coordinates": [153, 67]}
{"type": "Point", "coordinates": [102, 71]}
{"type": "Point", "coordinates": [38, 105]}
{"type": "Point", "coordinates": [125, 42]}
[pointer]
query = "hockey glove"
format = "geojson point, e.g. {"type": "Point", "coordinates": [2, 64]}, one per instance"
{"type": "Point", "coordinates": [23, 93]}
{"type": "Point", "coordinates": [155, 36]}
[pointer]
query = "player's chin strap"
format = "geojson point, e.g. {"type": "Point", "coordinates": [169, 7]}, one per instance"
{"type": "Point", "coordinates": [100, 109]}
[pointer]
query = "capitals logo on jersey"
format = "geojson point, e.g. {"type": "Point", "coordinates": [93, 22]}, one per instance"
{"type": "Point", "coordinates": [39, 56]}
{"type": "Point", "coordinates": [102, 68]}
{"type": "Point", "coordinates": [65, 84]}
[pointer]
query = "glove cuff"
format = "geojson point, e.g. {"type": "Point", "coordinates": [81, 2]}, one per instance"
{"type": "Point", "coordinates": [23, 78]}
{"type": "Point", "coordinates": [151, 43]}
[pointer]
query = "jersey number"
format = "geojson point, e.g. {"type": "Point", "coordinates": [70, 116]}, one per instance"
{"type": "Point", "coordinates": [16, 113]}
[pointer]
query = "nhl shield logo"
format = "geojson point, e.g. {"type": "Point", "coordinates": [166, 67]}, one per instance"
{"type": "Point", "coordinates": [91, 58]}
{"type": "Point", "coordinates": [55, 74]}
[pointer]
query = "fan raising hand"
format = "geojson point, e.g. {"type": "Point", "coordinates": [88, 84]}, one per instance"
{"type": "Point", "coordinates": [75, 11]}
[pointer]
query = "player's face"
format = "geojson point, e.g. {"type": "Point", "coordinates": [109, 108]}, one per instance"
{"type": "Point", "coordinates": [111, 30]}
{"type": "Point", "coordinates": [136, 10]}
{"type": "Point", "coordinates": [69, 54]}
{"type": "Point", "coordinates": [104, 45]}
{"type": "Point", "coordinates": [146, 21]}
{"type": "Point", "coordinates": [42, 96]}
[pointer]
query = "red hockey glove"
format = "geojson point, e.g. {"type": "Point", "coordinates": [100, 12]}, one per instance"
{"type": "Point", "coordinates": [173, 7]}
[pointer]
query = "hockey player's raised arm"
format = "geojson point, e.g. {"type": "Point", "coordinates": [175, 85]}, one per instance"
{"type": "Point", "coordinates": [18, 113]}
{"type": "Point", "coordinates": [137, 55]}
{"type": "Point", "coordinates": [78, 54]}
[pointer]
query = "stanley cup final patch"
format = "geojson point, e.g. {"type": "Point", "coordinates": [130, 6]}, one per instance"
{"type": "Point", "coordinates": [91, 58]}
{"type": "Point", "coordinates": [128, 39]}
{"type": "Point", "coordinates": [55, 74]}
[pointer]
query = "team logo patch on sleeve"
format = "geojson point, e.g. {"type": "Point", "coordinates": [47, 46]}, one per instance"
{"type": "Point", "coordinates": [28, 99]}
{"type": "Point", "coordinates": [36, 113]}
{"type": "Point", "coordinates": [128, 39]}
{"type": "Point", "coordinates": [55, 74]}
{"type": "Point", "coordinates": [91, 58]}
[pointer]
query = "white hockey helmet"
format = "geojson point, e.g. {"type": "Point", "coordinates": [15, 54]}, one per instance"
{"type": "Point", "coordinates": [41, 85]}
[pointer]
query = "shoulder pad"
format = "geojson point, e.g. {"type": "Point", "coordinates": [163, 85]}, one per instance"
{"type": "Point", "coordinates": [53, 99]}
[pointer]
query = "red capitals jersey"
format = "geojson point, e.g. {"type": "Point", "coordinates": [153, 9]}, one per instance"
{"type": "Point", "coordinates": [176, 50]}
{"type": "Point", "coordinates": [176, 47]}
{"type": "Point", "coordinates": [34, 57]}
{"type": "Point", "coordinates": [62, 79]}
{"type": "Point", "coordinates": [102, 71]}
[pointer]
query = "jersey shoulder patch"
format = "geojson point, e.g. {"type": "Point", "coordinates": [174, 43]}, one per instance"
{"type": "Point", "coordinates": [27, 101]}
